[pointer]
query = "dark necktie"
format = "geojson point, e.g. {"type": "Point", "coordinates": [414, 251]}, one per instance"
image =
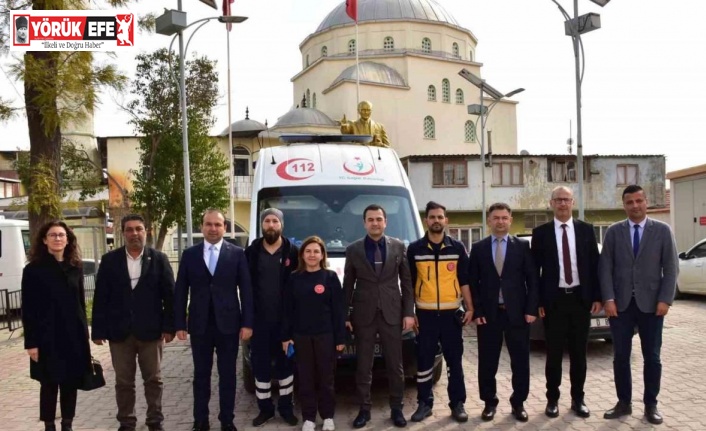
{"type": "Point", "coordinates": [378, 258]}
{"type": "Point", "coordinates": [566, 253]}
{"type": "Point", "coordinates": [636, 240]}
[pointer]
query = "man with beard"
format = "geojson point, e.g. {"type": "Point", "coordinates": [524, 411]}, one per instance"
{"type": "Point", "coordinates": [271, 260]}
{"type": "Point", "coordinates": [439, 265]}
{"type": "Point", "coordinates": [133, 310]}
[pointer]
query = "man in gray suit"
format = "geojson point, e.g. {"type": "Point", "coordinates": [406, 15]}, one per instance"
{"type": "Point", "coordinates": [378, 286]}
{"type": "Point", "coordinates": [638, 273]}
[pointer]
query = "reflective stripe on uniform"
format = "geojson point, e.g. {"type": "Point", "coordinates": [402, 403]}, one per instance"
{"type": "Point", "coordinates": [424, 376]}
{"type": "Point", "coordinates": [442, 305]}
{"type": "Point", "coordinates": [263, 385]}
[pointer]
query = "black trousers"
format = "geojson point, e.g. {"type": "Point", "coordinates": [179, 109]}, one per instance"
{"type": "Point", "coordinates": [48, 393]}
{"type": "Point", "coordinates": [315, 356]}
{"type": "Point", "coordinates": [490, 343]}
{"type": "Point", "coordinates": [566, 323]}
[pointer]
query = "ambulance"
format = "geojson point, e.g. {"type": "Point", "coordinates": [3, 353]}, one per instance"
{"type": "Point", "coordinates": [322, 184]}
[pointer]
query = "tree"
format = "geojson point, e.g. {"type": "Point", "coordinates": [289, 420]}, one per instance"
{"type": "Point", "coordinates": [59, 88]}
{"type": "Point", "coordinates": [159, 182]}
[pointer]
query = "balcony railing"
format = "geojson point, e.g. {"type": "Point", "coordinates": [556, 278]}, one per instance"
{"type": "Point", "coordinates": [242, 188]}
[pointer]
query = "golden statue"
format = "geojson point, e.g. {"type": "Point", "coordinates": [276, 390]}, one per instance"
{"type": "Point", "coordinates": [365, 126]}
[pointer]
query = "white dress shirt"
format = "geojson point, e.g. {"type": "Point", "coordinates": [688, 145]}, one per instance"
{"type": "Point", "coordinates": [639, 231]}
{"type": "Point", "coordinates": [134, 267]}
{"type": "Point", "coordinates": [207, 250]}
{"type": "Point", "coordinates": [571, 235]}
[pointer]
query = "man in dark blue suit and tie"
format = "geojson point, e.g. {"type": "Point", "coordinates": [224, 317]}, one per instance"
{"type": "Point", "coordinates": [505, 299]}
{"type": "Point", "coordinates": [216, 275]}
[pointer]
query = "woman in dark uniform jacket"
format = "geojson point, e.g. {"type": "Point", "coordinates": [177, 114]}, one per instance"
{"type": "Point", "coordinates": [54, 318]}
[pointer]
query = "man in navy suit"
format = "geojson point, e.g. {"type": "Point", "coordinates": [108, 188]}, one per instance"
{"type": "Point", "coordinates": [133, 310]}
{"type": "Point", "coordinates": [505, 299]}
{"type": "Point", "coordinates": [566, 255]}
{"type": "Point", "coordinates": [638, 270]}
{"type": "Point", "coordinates": [215, 275]}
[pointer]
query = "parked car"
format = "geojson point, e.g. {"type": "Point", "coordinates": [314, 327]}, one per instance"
{"type": "Point", "coordinates": [90, 266]}
{"type": "Point", "coordinates": [600, 328]}
{"type": "Point", "coordinates": [692, 272]}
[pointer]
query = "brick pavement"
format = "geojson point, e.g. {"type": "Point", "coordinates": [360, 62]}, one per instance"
{"type": "Point", "coordinates": [683, 396]}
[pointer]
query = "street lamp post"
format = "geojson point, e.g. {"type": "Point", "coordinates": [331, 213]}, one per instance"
{"type": "Point", "coordinates": [483, 112]}
{"type": "Point", "coordinates": [174, 22]}
{"type": "Point", "coordinates": [575, 28]}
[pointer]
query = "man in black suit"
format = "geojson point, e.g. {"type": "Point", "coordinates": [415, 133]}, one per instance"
{"type": "Point", "coordinates": [215, 276]}
{"type": "Point", "coordinates": [566, 255]}
{"type": "Point", "coordinates": [505, 299]}
{"type": "Point", "coordinates": [133, 310]}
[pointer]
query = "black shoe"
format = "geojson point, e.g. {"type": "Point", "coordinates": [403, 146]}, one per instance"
{"type": "Point", "coordinates": [552, 410]}
{"type": "Point", "coordinates": [520, 413]}
{"type": "Point", "coordinates": [580, 409]}
{"type": "Point", "coordinates": [228, 427]}
{"type": "Point", "coordinates": [423, 411]}
{"type": "Point", "coordinates": [362, 418]}
{"type": "Point", "coordinates": [459, 413]}
{"type": "Point", "coordinates": [128, 428]}
{"type": "Point", "coordinates": [653, 415]}
{"type": "Point", "coordinates": [155, 427]}
{"type": "Point", "coordinates": [201, 426]}
{"type": "Point", "coordinates": [66, 427]}
{"type": "Point", "coordinates": [262, 418]}
{"type": "Point", "coordinates": [398, 418]}
{"type": "Point", "coordinates": [488, 413]}
{"type": "Point", "coordinates": [289, 418]}
{"type": "Point", "coordinates": [621, 409]}
{"type": "Point", "coordinates": [49, 426]}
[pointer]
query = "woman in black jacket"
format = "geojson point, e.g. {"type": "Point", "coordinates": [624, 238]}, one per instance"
{"type": "Point", "coordinates": [314, 323]}
{"type": "Point", "coordinates": [54, 318]}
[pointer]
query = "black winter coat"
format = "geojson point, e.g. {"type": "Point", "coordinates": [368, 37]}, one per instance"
{"type": "Point", "coordinates": [54, 319]}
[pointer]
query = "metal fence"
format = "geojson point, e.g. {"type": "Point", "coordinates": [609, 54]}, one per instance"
{"type": "Point", "coordinates": [11, 304]}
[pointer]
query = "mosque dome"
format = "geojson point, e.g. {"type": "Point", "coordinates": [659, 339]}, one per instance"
{"type": "Point", "coordinates": [389, 10]}
{"type": "Point", "coordinates": [304, 117]}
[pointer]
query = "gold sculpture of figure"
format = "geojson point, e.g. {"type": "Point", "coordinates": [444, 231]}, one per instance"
{"type": "Point", "coordinates": [365, 126]}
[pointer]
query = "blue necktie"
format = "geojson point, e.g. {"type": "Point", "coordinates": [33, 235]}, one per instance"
{"type": "Point", "coordinates": [212, 260]}
{"type": "Point", "coordinates": [636, 240]}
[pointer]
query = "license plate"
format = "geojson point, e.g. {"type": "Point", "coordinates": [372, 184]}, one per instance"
{"type": "Point", "coordinates": [350, 350]}
{"type": "Point", "coordinates": [601, 322]}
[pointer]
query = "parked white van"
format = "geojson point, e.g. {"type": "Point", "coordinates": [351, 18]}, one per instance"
{"type": "Point", "coordinates": [14, 246]}
{"type": "Point", "coordinates": [322, 184]}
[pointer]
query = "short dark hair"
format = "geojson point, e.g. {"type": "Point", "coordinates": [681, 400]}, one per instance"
{"type": "Point", "coordinates": [431, 205]}
{"type": "Point", "coordinates": [131, 217]}
{"type": "Point", "coordinates": [634, 188]}
{"type": "Point", "coordinates": [499, 206]}
{"type": "Point", "coordinates": [213, 210]}
{"type": "Point", "coordinates": [374, 207]}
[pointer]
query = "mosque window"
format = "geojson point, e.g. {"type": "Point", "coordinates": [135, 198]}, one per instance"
{"type": "Point", "coordinates": [388, 44]}
{"type": "Point", "coordinates": [445, 91]}
{"type": "Point", "coordinates": [307, 60]}
{"type": "Point", "coordinates": [470, 55]}
{"type": "Point", "coordinates": [459, 96]}
{"type": "Point", "coordinates": [308, 98]}
{"type": "Point", "coordinates": [351, 47]}
{"type": "Point", "coordinates": [431, 93]}
{"type": "Point", "coordinates": [455, 50]}
{"type": "Point", "coordinates": [470, 132]}
{"type": "Point", "coordinates": [426, 45]}
{"type": "Point", "coordinates": [313, 101]}
{"type": "Point", "coordinates": [429, 129]}
{"type": "Point", "coordinates": [324, 51]}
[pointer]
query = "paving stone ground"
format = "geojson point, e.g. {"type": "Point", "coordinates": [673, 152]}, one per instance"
{"type": "Point", "coordinates": [682, 399]}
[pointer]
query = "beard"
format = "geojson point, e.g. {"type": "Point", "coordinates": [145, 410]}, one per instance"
{"type": "Point", "coordinates": [271, 236]}
{"type": "Point", "coordinates": [436, 228]}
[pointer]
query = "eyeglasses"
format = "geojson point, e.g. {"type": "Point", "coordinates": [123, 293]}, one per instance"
{"type": "Point", "coordinates": [563, 200]}
{"type": "Point", "coordinates": [56, 235]}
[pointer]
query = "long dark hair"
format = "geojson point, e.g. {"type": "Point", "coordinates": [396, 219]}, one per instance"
{"type": "Point", "coordinates": [39, 250]}
{"type": "Point", "coordinates": [311, 240]}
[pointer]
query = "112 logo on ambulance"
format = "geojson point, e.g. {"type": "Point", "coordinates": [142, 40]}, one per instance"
{"type": "Point", "coordinates": [71, 30]}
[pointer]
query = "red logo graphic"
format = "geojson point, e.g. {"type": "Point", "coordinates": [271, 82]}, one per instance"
{"type": "Point", "coordinates": [125, 29]}
{"type": "Point", "coordinates": [319, 288]}
{"type": "Point", "coordinates": [450, 266]}
{"type": "Point", "coordinates": [357, 166]}
{"type": "Point", "coordinates": [296, 169]}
